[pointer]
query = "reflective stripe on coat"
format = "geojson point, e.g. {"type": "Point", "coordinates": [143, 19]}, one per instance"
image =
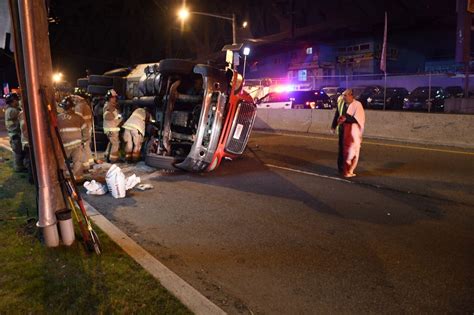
{"type": "Point", "coordinates": [112, 119]}
{"type": "Point", "coordinates": [72, 129]}
{"type": "Point", "coordinates": [136, 121]}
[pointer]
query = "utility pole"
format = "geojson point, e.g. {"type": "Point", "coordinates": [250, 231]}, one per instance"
{"type": "Point", "coordinates": [463, 39]}
{"type": "Point", "coordinates": [234, 29]}
{"type": "Point", "coordinates": [30, 28]}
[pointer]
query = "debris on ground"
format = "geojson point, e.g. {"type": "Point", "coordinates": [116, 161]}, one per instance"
{"type": "Point", "coordinates": [144, 187]}
{"type": "Point", "coordinates": [131, 182]}
{"type": "Point", "coordinates": [117, 183]}
{"type": "Point", "coordinates": [95, 188]}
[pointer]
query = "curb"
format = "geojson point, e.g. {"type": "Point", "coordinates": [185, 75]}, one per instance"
{"type": "Point", "coordinates": [183, 291]}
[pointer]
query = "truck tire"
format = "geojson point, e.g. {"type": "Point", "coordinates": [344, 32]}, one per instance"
{"type": "Point", "coordinates": [206, 70]}
{"type": "Point", "coordinates": [95, 79]}
{"type": "Point", "coordinates": [98, 89]}
{"type": "Point", "coordinates": [176, 66]}
{"type": "Point", "coordinates": [158, 161]}
{"type": "Point", "coordinates": [161, 162]}
{"type": "Point", "coordinates": [82, 83]}
{"type": "Point", "coordinates": [119, 85]}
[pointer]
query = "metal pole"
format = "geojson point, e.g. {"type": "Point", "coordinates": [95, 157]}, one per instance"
{"type": "Point", "coordinates": [429, 92]}
{"type": "Point", "coordinates": [20, 70]}
{"type": "Point", "coordinates": [466, 79]}
{"type": "Point", "coordinates": [38, 70]}
{"type": "Point", "coordinates": [463, 39]}
{"type": "Point", "coordinates": [245, 63]}
{"type": "Point", "coordinates": [234, 29]}
{"type": "Point", "coordinates": [385, 90]}
{"type": "Point", "coordinates": [93, 135]}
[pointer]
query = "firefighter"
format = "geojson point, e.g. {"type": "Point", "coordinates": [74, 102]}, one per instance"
{"type": "Point", "coordinates": [12, 124]}
{"type": "Point", "coordinates": [82, 108]}
{"type": "Point", "coordinates": [25, 144]}
{"type": "Point", "coordinates": [112, 122]}
{"type": "Point", "coordinates": [134, 133]}
{"type": "Point", "coordinates": [73, 130]}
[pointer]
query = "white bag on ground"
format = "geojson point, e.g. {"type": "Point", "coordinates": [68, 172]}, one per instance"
{"type": "Point", "coordinates": [115, 180]}
{"type": "Point", "coordinates": [95, 188]}
{"type": "Point", "coordinates": [131, 182]}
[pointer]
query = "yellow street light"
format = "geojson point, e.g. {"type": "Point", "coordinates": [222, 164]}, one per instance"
{"type": "Point", "coordinates": [183, 13]}
{"type": "Point", "coordinates": [244, 25]}
{"type": "Point", "coordinates": [57, 77]}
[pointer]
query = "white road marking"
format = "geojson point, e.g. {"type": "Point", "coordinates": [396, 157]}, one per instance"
{"type": "Point", "coordinates": [309, 173]}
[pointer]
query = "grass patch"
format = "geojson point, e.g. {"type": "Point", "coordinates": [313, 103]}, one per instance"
{"type": "Point", "coordinates": [35, 279]}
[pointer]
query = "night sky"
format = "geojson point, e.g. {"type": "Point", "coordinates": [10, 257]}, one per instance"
{"type": "Point", "coordinates": [107, 34]}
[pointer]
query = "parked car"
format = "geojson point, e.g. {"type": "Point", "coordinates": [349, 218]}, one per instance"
{"type": "Point", "coordinates": [333, 92]}
{"type": "Point", "coordinates": [315, 99]}
{"type": "Point", "coordinates": [202, 115]}
{"type": "Point", "coordinates": [393, 98]}
{"type": "Point", "coordinates": [357, 91]}
{"type": "Point", "coordinates": [276, 100]}
{"type": "Point", "coordinates": [419, 99]}
{"type": "Point", "coordinates": [367, 92]}
{"type": "Point", "coordinates": [454, 91]}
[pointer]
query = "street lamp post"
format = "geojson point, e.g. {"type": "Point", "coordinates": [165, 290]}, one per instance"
{"type": "Point", "coordinates": [246, 53]}
{"type": "Point", "coordinates": [184, 13]}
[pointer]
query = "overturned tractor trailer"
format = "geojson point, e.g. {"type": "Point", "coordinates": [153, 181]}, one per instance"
{"type": "Point", "coordinates": [202, 114]}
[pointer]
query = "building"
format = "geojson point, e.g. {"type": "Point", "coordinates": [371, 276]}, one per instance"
{"type": "Point", "coordinates": [329, 63]}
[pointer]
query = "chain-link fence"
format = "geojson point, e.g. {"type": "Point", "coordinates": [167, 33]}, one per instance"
{"type": "Point", "coordinates": [430, 92]}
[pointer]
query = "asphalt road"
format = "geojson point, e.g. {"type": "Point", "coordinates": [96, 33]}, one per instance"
{"type": "Point", "coordinates": [277, 232]}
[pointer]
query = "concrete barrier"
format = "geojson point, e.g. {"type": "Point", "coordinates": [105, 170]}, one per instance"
{"type": "Point", "coordinates": [321, 121]}
{"type": "Point", "coordinates": [459, 105]}
{"type": "Point", "coordinates": [423, 128]}
{"type": "Point", "coordinates": [290, 119]}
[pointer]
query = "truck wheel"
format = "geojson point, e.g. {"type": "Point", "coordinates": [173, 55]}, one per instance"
{"type": "Point", "coordinates": [103, 80]}
{"type": "Point", "coordinates": [161, 162]}
{"type": "Point", "coordinates": [176, 66]}
{"type": "Point", "coordinates": [119, 85]}
{"type": "Point", "coordinates": [98, 89]}
{"type": "Point", "coordinates": [206, 70]}
{"type": "Point", "coordinates": [82, 83]}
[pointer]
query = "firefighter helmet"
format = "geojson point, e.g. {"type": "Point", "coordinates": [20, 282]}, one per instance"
{"type": "Point", "coordinates": [110, 93]}
{"type": "Point", "coordinates": [10, 97]}
{"type": "Point", "coordinates": [81, 92]}
{"type": "Point", "coordinates": [66, 103]}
